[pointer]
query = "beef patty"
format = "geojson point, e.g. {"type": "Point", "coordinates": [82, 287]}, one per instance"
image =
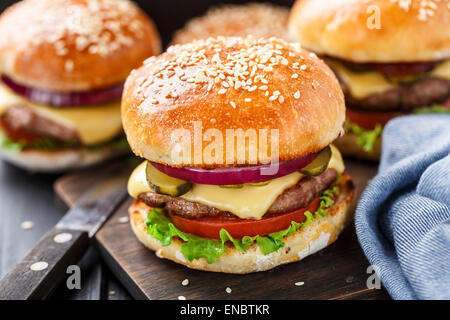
{"type": "Point", "coordinates": [404, 97]}
{"type": "Point", "coordinates": [296, 197]}
{"type": "Point", "coordinates": [20, 118]}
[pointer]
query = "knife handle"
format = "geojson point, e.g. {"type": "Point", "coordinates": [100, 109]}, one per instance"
{"type": "Point", "coordinates": [45, 266]}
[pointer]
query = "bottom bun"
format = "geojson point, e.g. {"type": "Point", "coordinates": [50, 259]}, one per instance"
{"type": "Point", "coordinates": [59, 160]}
{"type": "Point", "coordinates": [316, 236]}
{"type": "Point", "coordinates": [349, 147]}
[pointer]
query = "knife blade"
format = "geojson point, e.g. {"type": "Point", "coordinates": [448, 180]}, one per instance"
{"type": "Point", "coordinates": [45, 266]}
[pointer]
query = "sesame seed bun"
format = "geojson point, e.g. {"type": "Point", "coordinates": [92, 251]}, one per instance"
{"type": "Point", "coordinates": [261, 20]}
{"type": "Point", "coordinates": [349, 147]}
{"type": "Point", "coordinates": [320, 233]}
{"type": "Point", "coordinates": [295, 93]}
{"type": "Point", "coordinates": [410, 31]}
{"type": "Point", "coordinates": [74, 45]}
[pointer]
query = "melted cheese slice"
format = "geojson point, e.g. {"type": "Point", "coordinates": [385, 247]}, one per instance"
{"type": "Point", "coordinates": [442, 70]}
{"type": "Point", "coordinates": [363, 84]}
{"type": "Point", "coordinates": [95, 124]}
{"type": "Point", "coordinates": [248, 202]}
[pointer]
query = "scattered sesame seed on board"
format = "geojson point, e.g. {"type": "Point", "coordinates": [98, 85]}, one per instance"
{"type": "Point", "coordinates": [228, 290]}
{"type": "Point", "coordinates": [123, 219]}
{"type": "Point", "coordinates": [27, 225]}
{"type": "Point", "coordinates": [181, 298]}
{"type": "Point", "coordinates": [185, 282]}
{"type": "Point", "coordinates": [299, 283]}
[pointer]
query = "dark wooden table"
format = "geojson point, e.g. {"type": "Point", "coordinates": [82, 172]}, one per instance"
{"type": "Point", "coordinates": [30, 197]}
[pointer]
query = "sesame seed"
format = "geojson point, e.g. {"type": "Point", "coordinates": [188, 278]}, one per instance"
{"type": "Point", "coordinates": [185, 282]}
{"type": "Point", "coordinates": [248, 100]}
{"type": "Point", "coordinates": [69, 65]}
{"type": "Point", "coordinates": [263, 87]}
{"type": "Point", "coordinates": [27, 225]}
{"type": "Point", "coordinates": [280, 99]}
{"type": "Point", "coordinates": [297, 95]}
{"type": "Point", "coordinates": [228, 290]}
{"type": "Point", "coordinates": [181, 298]}
{"type": "Point", "coordinates": [300, 283]}
{"type": "Point", "coordinates": [124, 219]}
{"type": "Point", "coordinates": [222, 91]}
{"type": "Point", "coordinates": [233, 104]}
{"type": "Point", "coordinates": [294, 76]}
{"type": "Point", "coordinates": [303, 67]}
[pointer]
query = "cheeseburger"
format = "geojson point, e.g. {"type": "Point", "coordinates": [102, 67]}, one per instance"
{"type": "Point", "coordinates": [212, 194]}
{"type": "Point", "coordinates": [261, 20]}
{"type": "Point", "coordinates": [62, 66]}
{"type": "Point", "coordinates": [391, 57]}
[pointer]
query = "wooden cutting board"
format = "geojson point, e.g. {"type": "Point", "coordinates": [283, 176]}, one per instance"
{"type": "Point", "coordinates": [337, 272]}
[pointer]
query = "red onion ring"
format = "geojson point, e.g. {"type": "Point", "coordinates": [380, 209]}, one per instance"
{"type": "Point", "coordinates": [234, 175]}
{"type": "Point", "coordinates": [64, 99]}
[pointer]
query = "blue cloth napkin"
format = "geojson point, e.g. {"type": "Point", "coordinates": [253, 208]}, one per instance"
{"type": "Point", "coordinates": [403, 217]}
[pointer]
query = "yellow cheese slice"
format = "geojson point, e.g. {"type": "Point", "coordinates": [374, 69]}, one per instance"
{"type": "Point", "coordinates": [363, 84]}
{"type": "Point", "coordinates": [442, 70]}
{"type": "Point", "coordinates": [95, 124]}
{"type": "Point", "coordinates": [246, 202]}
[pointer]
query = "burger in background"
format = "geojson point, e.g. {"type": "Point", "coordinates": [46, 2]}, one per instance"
{"type": "Point", "coordinates": [63, 64]}
{"type": "Point", "coordinates": [240, 175]}
{"type": "Point", "coordinates": [257, 19]}
{"type": "Point", "coordinates": [391, 59]}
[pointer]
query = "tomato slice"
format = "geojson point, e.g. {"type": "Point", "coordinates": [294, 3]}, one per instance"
{"type": "Point", "coordinates": [17, 135]}
{"type": "Point", "coordinates": [446, 103]}
{"type": "Point", "coordinates": [370, 119]}
{"type": "Point", "coordinates": [209, 227]}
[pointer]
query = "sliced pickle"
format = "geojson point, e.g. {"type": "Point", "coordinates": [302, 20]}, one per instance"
{"type": "Point", "coordinates": [319, 164]}
{"type": "Point", "coordinates": [163, 184]}
{"type": "Point", "coordinates": [260, 184]}
{"type": "Point", "coordinates": [232, 186]}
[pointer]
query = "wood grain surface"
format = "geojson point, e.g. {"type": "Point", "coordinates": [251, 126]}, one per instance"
{"type": "Point", "coordinates": [337, 272]}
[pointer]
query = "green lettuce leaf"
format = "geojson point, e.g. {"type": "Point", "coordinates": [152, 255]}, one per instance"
{"type": "Point", "coordinates": [437, 108]}
{"type": "Point", "coordinates": [49, 144]}
{"type": "Point", "coordinates": [365, 138]}
{"type": "Point", "coordinates": [162, 229]}
{"type": "Point", "coordinates": [8, 144]}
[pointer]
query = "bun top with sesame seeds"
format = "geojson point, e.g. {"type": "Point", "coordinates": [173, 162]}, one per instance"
{"type": "Point", "coordinates": [74, 45]}
{"type": "Point", "coordinates": [384, 31]}
{"type": "Point", "coordinates": [256, 19]}
{"type": "Point", "coordinates": [222, 84]}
